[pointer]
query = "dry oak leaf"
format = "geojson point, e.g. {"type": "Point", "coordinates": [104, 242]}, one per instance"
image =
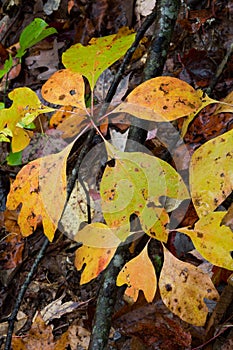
{"type": "Point", "coordinates": [211, 173]}
{"type": "Point", "coordinates": [99, 246]}
{"type": "Point", "coordinates": [183, 288]}
{"type": "Point", "coordinates": [213, 241]}
{"type": "Point", "coordinates": [40, 337]}
{"type": "Point", "coordinates": [161, 99]}
{"type": "Point", "coordinates": [41, 188]}
{"type": "Point", "coordinates": [139, 274]}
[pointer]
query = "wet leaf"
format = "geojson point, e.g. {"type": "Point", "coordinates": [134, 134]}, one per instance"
{"type": "Point", "coordinates": [213, 241]}
{"type": "Point", "coordinates": [183, 288]}
{"type": "Point", "coordinates": [139, 274]}
{"type": "Point", "coordinates": [135, 185]}
{"type": "Point", "coordinates": [161, 99]}
{"type": "Point", "coordinates": [40, 187]}
{"type": "Point", "coordinates": [100, 244]}
{"type": "Point", "coordinates": [211, 175]}
{"type": "Point", "coordinates": [65, 88]}
{"type": "Point", "coordinates": [101, 53]}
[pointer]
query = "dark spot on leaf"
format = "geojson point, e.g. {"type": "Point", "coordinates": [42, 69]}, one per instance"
{"type": "Point", "coordinates": [111, 163]}
{"type": "Point", "coordinates": [179, 309]}
{"type": "Point", "coordinates": [61, 97]}
{"type": "Point", "coordinates": [72, 92]}
{"type": "Point", "coordinates": [199, 234]}
{"type": "Point", "coordinates": [200, 307]}
{"type": "Point", "coordinates": [209, 290]}
{"type": "Point", "coordinates": [45, 91]}
{"type": "Point", "coordinates": [175, 300]}
{"type": "Point", "coordinates": [168, 287]}
{"type": "Point", "coordinates": [165, 107]}
{"type": "Point", "coordinates": [222, 175]}
{"type": "Point", "coordinates": [136, 170]}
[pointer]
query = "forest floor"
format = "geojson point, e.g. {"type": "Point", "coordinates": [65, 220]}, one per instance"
{"type": "Point", "coordinates": [55, 305]}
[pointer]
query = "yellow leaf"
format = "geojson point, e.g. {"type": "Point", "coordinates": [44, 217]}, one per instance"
{"type": "Point", "coordinates": [100, 244]}
{"type": "Point", "coordinates": [183, 288]}
{"type": "Point", "coordinates": [213, 241]}
{"type": "Point", "coordinates": [65, 88]}
{"type": "Point", "coordinates": [40, 187]}
{"type": "Point", "coordinates": [211, 174]}
{"type": "Point", "coordinates": [226, 105]}
{"type": "Point", "coordinates": [161, 99]}
{"type": "Point", "coordinates": [135, 185]}
{"type": "Point", "coordinates": [139, 274]}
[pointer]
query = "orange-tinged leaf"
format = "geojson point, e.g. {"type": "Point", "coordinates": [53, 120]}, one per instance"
{"type": "Point", "coordinates": [98, 55]}
{"type": "Point", "coordinates": [139, 274]}
{"type": "Point", "coordinates": [183, 288]}
{"type": "Point", "coordinates": [41, 188]}
{"type": "Point", "coordinates": [134, 185]}
{"type": "Point", "coordinates": [211, 175]}
{"type": "Point", "coordinates": [65, 88]}
{"type": "Point", "coordinates": [100, 244]}
{"type": "Point", "coordinates": [213, 241]}
{"type": "Point", "coordinates": [161, 99]}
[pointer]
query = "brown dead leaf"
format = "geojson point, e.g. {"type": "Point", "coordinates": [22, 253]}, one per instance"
{"type": "Point", "coordinates": [227, 220]}
{"type": "Point", "coordinates": [11, 250]}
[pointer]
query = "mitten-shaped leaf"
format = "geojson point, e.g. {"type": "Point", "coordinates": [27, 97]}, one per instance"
{"type": "Point", "coordinates": [139, 274]}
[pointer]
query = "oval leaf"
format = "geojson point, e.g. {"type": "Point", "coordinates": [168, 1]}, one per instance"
{"type": "Point", "coordinates": [213, 241]}
{"type": "Point", "coordinates": [139, 274]}
{"type": "Point", "coordinates": [183, 288]}
{"type": "Point", "coordinates": [161, 99]}
{"type": "Point", "coordinates": [65, 88]}
{"type": "Point", "coordinates": [211, 174]}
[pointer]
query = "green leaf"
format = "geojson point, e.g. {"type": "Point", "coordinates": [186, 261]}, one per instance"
{"type": "Point", "coordinates": [99, 54]}
{"type": "Point", "coordinates": [14, 158]}
{"type": "Point", "coordinates": [211, 174]}
{"type": "Point", "coordinates": [136, 184]}
{"type": "Point", "coordinates": [32, 34]}
{"type": "Point", "coordinates": [7, 66]}
{"type": "Point", "coordinates": [213, 240]}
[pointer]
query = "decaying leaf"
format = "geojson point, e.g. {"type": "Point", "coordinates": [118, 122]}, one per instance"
{"type": "Point", "coordinates": [139, 274]}
{"type": "Point", "coordinates": [135, 185]}
{"type": "Point", "coordinates": [101, 53]}
{"type": "Point", "coordinates": [227, 220]}
{"type": "Point", "coordinates": [211, 175]}
{"type": "Point", "coordinates": [161, 99]}
{"type": "Point", "coordinates": [41, 188]}
{"type": "Point", "coordinates": [183, 288]}
{"type": "Point", "coordinates": [213, 241]}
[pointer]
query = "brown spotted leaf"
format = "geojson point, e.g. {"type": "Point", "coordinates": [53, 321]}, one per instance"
{"type": "Point", "coordinates": [65, 88]}
{"type": "Point", "coordinates": [211, 175]}
{"type": "Point", "coordinates": [135, 185]}
{"type": "Point", "coordinates": [161, 99]}
{"type": "Point", "coordinates": [213, 241]}
{"type": "Point", "coordinates": [183, 288]}
{"type": "Point", "coordinates": [40, 187]}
